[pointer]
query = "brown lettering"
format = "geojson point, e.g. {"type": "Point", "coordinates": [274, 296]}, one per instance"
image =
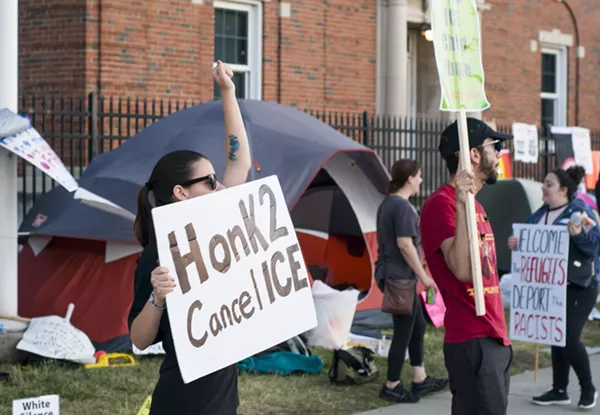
{"type": "Point", "coordinates": [268, 282]}
{"type": "Point", "coordinates": [245, 302]}
{"type": "Point", "coordinates": [282, 290]}
{"type": "Point", "coordinates": [183, 261]}
{"type": "Point", "coordinates": [194, 341]}
{"type": "Point", "coordinates": [274, 232]}
{"type": "Point", "coordinates": [225, 311]}
{"type": "Point", "coordinates": [256, 290]}
{"type": "Point", "coordinates": [231, 235]}
{"type": "Point", "coordinates": [294, 267]}
{"type": "Point", "coordinates": [250, 224]}
{"type": "Point", "coordinates": [221, 266]}
{"type": "Point", "coordinates": [237, 318]}
{"type": "Point", "coordinates": [215, 324]}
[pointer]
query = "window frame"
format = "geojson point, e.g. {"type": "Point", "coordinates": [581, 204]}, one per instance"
{"type": "Point", "coordinates": [253, 84]}
{"type": "Point", "coordinates": [559, 97]}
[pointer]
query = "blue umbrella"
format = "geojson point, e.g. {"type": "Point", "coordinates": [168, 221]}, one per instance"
{"type": "Point", "coordinates": [284, 141]}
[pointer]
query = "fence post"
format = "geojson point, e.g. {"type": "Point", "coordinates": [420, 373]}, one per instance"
{"type": "Point", "coordinates": [366, 128]}
{"type": "Point", "coordinates": [93, 125]}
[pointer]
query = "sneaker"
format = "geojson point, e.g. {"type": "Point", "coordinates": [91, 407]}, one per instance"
{"type": "Point", "coordinates": [553, 397]}
{"type": "Point", "coordinates": [588, 398]}
{"type": "Point", "coordinates": [429, 385]}
{"type": "Point", "coordinates": [398, 395]}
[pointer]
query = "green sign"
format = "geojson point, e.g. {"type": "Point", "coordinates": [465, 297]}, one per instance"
{"type": "Point", "coordinates": [457, 45]}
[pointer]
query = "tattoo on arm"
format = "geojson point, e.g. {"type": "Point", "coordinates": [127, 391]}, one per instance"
{"type": "Point", "coordinates": [234, 145]}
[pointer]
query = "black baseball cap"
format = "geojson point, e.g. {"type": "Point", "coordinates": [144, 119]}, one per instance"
{"type": "Point", "coordinates": [478, 132]}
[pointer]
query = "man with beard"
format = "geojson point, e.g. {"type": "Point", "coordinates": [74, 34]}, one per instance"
{"type": "Point", "coordinates": [477, 350]}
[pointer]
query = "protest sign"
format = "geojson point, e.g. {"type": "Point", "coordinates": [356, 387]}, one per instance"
{"type": "Point", "coordinates": [539, 268]}
{"type": "Point", "coordinates": [457, 46]}
{"type": "Point", "coordinates": [18, 136]}
{"type": "Point", "coordinates": [42, 405]}
{"type": "Point", "coordinates": [242, 284]}
{"type": "Point", "coordinates": [526, 142]}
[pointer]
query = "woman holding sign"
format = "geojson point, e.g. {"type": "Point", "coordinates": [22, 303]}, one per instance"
{"type": "Point", "coordinates": [178, 176]}
{"type": "Point", "coordinates": [397, 270]}
{"type": "Point", "coordinates": [562, 207]}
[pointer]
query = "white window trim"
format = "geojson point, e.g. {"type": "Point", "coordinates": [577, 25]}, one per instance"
{"type": "Point", "coordinates": [560, 109]}
{"type": "Point", "coordinates": [255, 53]}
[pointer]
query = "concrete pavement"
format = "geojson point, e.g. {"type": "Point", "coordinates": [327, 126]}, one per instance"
{"type": "Point", "coordinates": [522, 389]}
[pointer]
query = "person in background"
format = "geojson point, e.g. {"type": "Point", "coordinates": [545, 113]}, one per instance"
{"type": "Point", "coordinates": [178, 176]}
{"type": "Point", "coordinates": [477, 350]}
{"type": "Point", "coordinates": [560, 203]}
{"type": "Point", "coordinates": [398, 257]}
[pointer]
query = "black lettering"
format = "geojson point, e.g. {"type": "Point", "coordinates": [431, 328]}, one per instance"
{"type": "Point", "coordinates": [183, 261]}
{"type": "Point", "coordinates": [245, 302]}
{"type": "Point", "coordinates": [274, 233]}
{"type": "Point", "coordinates": [295, 267]}
{"type": "Point", "coordinates": [221, 266]}
{"type": "Point", "coordinates": [250, 224]}
{"type": "Point", "coordinates": [193, 340]}
{"type": "Point", "coordinates": [236, 317]}
{"type": "Point", "coordinates": [282, 290]}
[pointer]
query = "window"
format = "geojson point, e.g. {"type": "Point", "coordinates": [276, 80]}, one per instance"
{"type": "Point", "coordinates": [554, 87]}
{"type": "Point", "coordinates": [238, 42]}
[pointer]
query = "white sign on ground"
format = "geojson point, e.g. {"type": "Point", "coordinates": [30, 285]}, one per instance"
{"type": "Point", "coordinates": [242, 284]}
{"type": "Point", "coordinates": [42, 405]}
{"type": "Point", "coordinates": [539, 271]}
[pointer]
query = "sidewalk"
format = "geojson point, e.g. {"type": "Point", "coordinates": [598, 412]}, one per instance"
{"type": "Point", "coordinates": [522, 389]}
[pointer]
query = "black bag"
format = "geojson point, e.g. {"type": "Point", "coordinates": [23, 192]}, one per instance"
{"type": "Point", "coordinates": [354, 366]}
{"type": "Point", "coordinates": [581, 270]}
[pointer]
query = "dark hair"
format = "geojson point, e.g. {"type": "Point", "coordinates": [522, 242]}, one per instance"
{"type": "Point", "coordinates": [172, 169]}
{"type": "Point", "coordinates": [401, 171]}
{"type": "Point", "coordinates": [452, 161]}
{"type": "Point", "coordinates": [570, 178]}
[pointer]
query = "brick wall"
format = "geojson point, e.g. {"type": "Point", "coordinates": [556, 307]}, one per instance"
{"type": "Point", "coordinates": [52, 46]}
{"type": "Point", "coordinates": [513, 72]}
{"type": "Point", "coordinates": [164, 49]}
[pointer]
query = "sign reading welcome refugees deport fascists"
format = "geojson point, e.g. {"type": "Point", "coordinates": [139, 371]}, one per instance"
{"type": "Point", "coordinates": [539, 293]}
{"type": "Point", "coordinates": [457, 45]}
{"type": "Point", "coordinates": [242, 284]}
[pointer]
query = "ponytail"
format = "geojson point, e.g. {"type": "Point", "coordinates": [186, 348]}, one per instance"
{"type": "Point", "coordinates": [142, 226]}
{"type": "Point", "coordinates": [392, 187]}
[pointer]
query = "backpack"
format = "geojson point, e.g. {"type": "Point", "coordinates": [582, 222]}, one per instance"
{"type": "Point", "coordinates": [353, 366]}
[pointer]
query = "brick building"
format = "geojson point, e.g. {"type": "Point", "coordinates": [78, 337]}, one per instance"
{"type": "Point", "coordinates": [317, 54]}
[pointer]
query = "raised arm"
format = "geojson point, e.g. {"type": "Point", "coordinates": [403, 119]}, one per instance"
{"type": "Point", "coordinates": [236, 143]}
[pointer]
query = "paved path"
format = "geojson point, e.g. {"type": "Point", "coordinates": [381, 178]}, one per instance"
{"type": "Point", "coordinates": [522, 389]}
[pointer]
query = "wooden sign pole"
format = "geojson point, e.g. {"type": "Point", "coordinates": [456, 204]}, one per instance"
{"type": "Point", "coordinates": [465, 161]}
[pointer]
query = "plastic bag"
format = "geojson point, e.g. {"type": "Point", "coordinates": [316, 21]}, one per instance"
{"type": "Point", "coordinates": [506, 286]}
{"type": "Point", "coordinates": [335, 313]}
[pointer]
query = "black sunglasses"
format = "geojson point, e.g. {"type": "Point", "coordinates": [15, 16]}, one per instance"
{"type": "Point", "coordinates": [212, 180]}
{"type": "Point", "coordinates": [496, 143]}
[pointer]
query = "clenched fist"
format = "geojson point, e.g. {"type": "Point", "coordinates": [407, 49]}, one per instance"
{"type": "Point", "coordinates": [162, 283]}
{"type": "Point", "coordinates": [222, 75]}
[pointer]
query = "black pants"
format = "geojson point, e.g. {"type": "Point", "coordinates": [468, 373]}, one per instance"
{"type": "Point", "coordinates": [580, 302]}
{"type": "Point", "coordinates": [409, 332]}
{"type": "Point", "coordinates": [479, 375]}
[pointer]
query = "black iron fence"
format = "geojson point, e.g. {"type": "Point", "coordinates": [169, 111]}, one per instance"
{"type": "Point", "coordinates": [79, 128]}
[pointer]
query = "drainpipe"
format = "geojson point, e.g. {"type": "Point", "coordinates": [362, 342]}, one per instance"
{"type": "Point", "coordinates": [396, 57]}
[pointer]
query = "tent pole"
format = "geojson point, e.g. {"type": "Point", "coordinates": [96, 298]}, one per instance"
{"type": "Point", "coordinates": [9, 96]}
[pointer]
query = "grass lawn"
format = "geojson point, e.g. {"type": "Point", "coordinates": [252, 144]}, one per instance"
{"type": "Point", "coordinates": [121, 391]}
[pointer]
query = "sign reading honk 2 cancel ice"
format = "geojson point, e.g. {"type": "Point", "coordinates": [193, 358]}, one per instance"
{"type": "Point", "coordinates": [242, 284]}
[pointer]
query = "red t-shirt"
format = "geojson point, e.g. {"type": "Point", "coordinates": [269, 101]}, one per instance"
{"type": "Point", "coordinates": [438, 223]}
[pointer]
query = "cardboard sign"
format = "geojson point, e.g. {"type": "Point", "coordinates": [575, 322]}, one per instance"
{"type": "Point", "coordinates": [457, 47]}
{"type": "Point", "coordinates": [526, 142]}
{"type": "Point", "coordinates": [242, 284]}
{"type": "Point", "coordinates": [42, 405]}
{"type": "Point", "coordinates": [539, 269]}
{"type": "Point", "coordinates": [28, 144]}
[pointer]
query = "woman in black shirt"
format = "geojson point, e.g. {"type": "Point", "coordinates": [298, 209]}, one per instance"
{"type": "Point", "coordinates": [178, 176]}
